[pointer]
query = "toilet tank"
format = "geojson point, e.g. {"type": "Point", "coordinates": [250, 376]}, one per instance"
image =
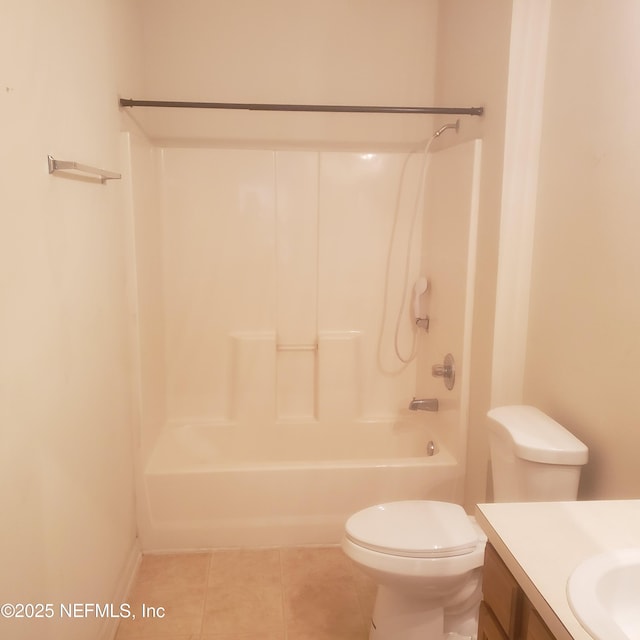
{"type": "Point", "coordinates": [533, 458]}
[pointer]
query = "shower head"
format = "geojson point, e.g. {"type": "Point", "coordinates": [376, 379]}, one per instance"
{"type": "Point", "coordinates": [441, 130]}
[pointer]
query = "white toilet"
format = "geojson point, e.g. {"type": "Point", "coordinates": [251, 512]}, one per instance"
{"type": "Point", "coordinates": [427, 556]}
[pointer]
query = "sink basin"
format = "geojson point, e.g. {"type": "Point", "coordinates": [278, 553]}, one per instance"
{"type": "Point", "coordinates": [604, 594]}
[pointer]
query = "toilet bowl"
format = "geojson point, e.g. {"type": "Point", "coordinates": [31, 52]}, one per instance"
{"type": "Point", "coordinates": [426, 558]}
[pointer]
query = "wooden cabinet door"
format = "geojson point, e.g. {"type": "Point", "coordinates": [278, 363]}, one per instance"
{"type": "Point", "coordinates": [488, 627]}
{"type": "Point", "coordinates": [532, 624]}
{"type": "Point", "coordinates": [501, 592]}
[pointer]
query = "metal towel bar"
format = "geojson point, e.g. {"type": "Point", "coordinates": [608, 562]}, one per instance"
{"type": "Point", "coordinates": [70, 165]}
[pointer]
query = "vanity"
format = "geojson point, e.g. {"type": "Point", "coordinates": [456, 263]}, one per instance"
{"type": "Point", "coordinates": [532, 550]}
{"type": "Point", "coordinates": [505, 612]}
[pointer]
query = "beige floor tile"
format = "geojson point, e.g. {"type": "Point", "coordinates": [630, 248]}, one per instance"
{"type": "Point", "coordinates": [324, 594]}
{"type": "Point", "coordinates": [322, 635]}
{"type": "Point", "coordinates": [170, 572]}
{"type": "Point", "coordinates": [244, 636]}
{"type": "Point", "coordinates": [366, 589]}
{"type": "Point", "coordinates": [162, 637]}
{"type": "Point", "coordinates": [324, 609]}
{"type": "Point", "coordinates": [178, 613]}
{"type": "Point", "coordinates": [312, 564]}
{"type": "Point", "coordinates": [243, 567]}
{"type": "Point", "coordinates": [243, 608]}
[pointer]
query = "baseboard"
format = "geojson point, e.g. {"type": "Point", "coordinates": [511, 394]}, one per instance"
{"type": "Point", "coordinates": [122, 589]}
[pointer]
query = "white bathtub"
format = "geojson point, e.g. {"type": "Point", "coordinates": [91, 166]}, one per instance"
{"type": "Point", "coordinates": [207, 486]}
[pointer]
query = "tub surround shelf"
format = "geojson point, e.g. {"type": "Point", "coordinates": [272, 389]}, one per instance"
{"type": "Point", "coordinates": [541, 557]}
{"type": "Point", "coordinates": [297, 347]}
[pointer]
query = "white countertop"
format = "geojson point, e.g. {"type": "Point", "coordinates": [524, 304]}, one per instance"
{"type": "Point", "coordinates": [542, 542]}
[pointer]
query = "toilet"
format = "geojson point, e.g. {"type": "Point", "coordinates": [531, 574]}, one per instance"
{"type": "Point", "coordinates": [426, 556]}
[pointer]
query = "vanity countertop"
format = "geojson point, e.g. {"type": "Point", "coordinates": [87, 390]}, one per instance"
{"type": "Point", "coordinates": [542, 542]}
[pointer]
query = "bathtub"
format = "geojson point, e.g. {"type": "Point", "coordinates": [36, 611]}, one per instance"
{"type": "Point", "coordinates": [206, 486]}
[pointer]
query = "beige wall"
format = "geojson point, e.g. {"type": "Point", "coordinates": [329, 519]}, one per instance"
{"type": "Point", "coordinates": [288, 51]}
{"type": "Point", "coordinates": [583, 357]}
{"type": "Point", "coordinates": [66, 487]}
{"type": "Point", "coordinates": [285, 51]}
{"type": "Point", "coordinates": [472, 66]}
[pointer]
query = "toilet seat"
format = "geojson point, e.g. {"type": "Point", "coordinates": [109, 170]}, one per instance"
{"type": "Point", "coordinates": [414, 528]}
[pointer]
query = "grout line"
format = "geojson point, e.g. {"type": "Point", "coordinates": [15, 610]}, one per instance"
{"type": "Point", "coordinates": [285, 623]}
{"type": "Point", "coordinates": [206, 595]}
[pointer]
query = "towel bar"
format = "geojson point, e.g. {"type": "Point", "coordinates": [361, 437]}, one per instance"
{"type": "Point", "coordinates": [70, 165]}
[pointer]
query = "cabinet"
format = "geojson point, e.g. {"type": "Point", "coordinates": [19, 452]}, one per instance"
{"type": "Point", "coordinates": [505, 611]}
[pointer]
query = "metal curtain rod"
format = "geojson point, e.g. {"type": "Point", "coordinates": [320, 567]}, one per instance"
{"type": "Point", "coordinates": [327, 108]}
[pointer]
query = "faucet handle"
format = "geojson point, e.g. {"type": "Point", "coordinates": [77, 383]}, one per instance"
{"type": "Point", "coordinates": [447, 371]}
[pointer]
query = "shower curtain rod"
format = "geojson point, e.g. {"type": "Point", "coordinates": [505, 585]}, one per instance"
{"type": "Point", "coordinates": [327, 108]}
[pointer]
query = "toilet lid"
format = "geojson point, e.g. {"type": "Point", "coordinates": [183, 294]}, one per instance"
{"type": "Point", "coordinates": [415, 528]}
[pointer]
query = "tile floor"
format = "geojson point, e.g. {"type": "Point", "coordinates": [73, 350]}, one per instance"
{"type": "Point", "coordinates": [302, 593]}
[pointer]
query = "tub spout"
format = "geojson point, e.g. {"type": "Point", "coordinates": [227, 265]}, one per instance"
{"type": "Point", "coordinates": [424, 404]}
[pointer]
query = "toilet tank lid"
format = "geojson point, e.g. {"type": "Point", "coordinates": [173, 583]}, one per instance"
{"type": "Point", "coordinates": [537, 437]}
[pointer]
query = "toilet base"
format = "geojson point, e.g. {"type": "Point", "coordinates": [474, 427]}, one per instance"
{"type": "Point", "coordinates": [398, 617]}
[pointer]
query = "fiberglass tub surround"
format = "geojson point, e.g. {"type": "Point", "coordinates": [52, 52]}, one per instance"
{"type": "Point", "coordinates": [281, 277]}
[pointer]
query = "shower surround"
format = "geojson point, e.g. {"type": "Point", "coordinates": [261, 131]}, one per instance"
{"type": "Point", "coordinates": [274, 270]}
{"type": "Point", "coordinates": [268, 287]}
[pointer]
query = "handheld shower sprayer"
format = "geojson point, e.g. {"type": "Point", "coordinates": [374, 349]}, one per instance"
{"type": "Point", "coordinates": [420, 288]}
